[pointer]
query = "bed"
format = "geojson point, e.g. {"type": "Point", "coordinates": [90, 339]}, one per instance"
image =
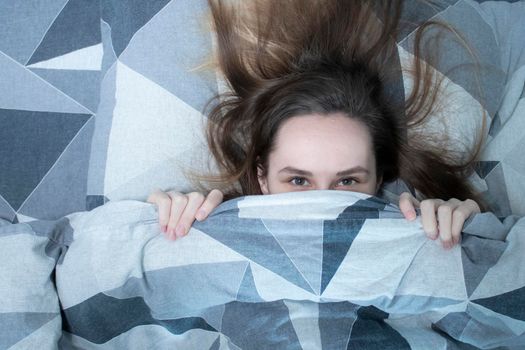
{"type": "Point", "coordinates": [101, 103]}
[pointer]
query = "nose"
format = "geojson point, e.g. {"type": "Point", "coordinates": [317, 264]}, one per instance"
{"type": "Point", "coordinates": [323, 187]}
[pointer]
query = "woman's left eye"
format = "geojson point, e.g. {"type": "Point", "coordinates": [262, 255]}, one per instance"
{"type": "Point", "coordinates": [346, 182]}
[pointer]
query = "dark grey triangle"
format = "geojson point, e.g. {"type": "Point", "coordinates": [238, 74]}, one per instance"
{"type": "Point", "coordinates": [126, 17]}
{"type": "Point", "coordinates": [339, 234]}
{"type": "Point", "coordinates": [30, 143]}
{"type": "Point", "coordinates": [483, 168]}
{"type": "Point", "coordinates": [76, 27]}
{"type": "Point", "coordinates": [371, 332]}
{"type": "Point", "coordinates": [93, 201]}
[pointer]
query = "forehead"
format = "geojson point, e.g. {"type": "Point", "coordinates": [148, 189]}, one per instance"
{"type": "Point", "coordinates": [319, 141]}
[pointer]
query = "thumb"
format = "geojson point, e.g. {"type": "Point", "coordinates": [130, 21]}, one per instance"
{"type": "Point", "coordinates": [407, 205]}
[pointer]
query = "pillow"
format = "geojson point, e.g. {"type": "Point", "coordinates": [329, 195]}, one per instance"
{"type": "Point", "coordinates": [502, 166]}
{"type": "Point", "coordinates": [493, 31]}
{"type": "Point", "coordinates": [50, 56]}
{"type": "Point", "coordinates": [57, 156]}
{"type": "Point", "coordinates": [315, 269]}
{"type": "Point", "coordinates": [149, 128]}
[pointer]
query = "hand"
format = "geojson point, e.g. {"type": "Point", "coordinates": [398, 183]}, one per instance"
{"type": "Point", "coordinates": [451, 215]}
{"type": "Point", "coordinates": [178, 211]}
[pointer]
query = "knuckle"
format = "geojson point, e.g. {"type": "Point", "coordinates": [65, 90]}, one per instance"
{"type": "Point", "coordinates": [427, 203]}
{"type": "Point", "coordinates": [179, 199]}
{"type": "Point", "coordinates": [472, 203]}
{"type": "Point", "coordinates": [197, 196]}
{"type": "Point", "coordinates": [459, 215]}
{"type": "Point", "coordinates": [155, 196]}
{"type": "Point", "coordinates": [444, 210]}
{"type": "Point", "coordinates": [469, 201]}
{"type": "Point", "coordinates": [404, 195]}
{"type": "Point", "coordinates": [405, 204]}
{"type": "Point", "coordinates": [454, 201]}
{"type": "Point", "coordinates": [163, 201]}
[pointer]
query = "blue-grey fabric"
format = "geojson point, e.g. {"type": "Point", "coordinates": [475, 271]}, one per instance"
{"type": "Point", "coordinates": [489, 69]}
{"type": "Point", "coordinates": [29, 306]}
{"type": "Point", "coordinates": [50, 69]}
{"type": "Point", "coordinates": [503, 164]}
{"type": "Point", "coordinates": [308, 270]}
{"type": "Point", "coordinates": [155, 90]}
{"type": "Point", "coordinates": [104, 99]}
{"type": "Point", "coordinates": [169, 78]}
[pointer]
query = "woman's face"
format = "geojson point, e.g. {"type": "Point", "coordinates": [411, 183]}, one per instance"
{"type": "Point", "coordinates": [321, 152]}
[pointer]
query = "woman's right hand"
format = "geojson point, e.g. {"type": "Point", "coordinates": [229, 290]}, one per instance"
{"type": "Point", "coordinates": [178, 211]}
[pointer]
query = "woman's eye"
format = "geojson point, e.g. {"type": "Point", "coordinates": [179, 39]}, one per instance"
{"type": "Point", "coordinates": [298, 181]}
{"type": "Point", "coordinates": [347, 182]}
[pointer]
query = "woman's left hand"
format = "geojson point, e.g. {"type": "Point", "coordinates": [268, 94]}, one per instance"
{"type": "Point", "coordinates": [447, 224]}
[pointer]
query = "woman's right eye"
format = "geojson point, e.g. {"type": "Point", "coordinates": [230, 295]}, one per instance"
{"type": "Point", "coordinates": [298, 181]}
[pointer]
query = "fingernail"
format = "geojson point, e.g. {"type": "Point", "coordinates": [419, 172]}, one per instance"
{"type": "Point", "coordinates": [171, 233]}
{"type": "Point", "coordinates": [411, 215]}
{"type": "Point", "coordinates": [180, 230]}
{"type": "Point", "coordinates": [201, 214]}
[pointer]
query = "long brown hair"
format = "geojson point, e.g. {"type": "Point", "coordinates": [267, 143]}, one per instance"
{"type": "Point", "coordinates": [286, 58]}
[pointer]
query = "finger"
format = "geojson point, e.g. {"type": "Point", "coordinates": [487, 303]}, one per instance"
{"type": "Point", "coordinates": [460, 215]}
{"type": "Point", "coordinates": [195, 200]}
{"type": "Point", "coordinates": [428, 217]}
{"type": "Point", "coordinates": [444, 213]}
{"type": "Point", "coordinates": [407, 205]}
{"type": "Point", "coordinates": [163, 203]}
{"type": "Point", "coordinates": [213, 199]}
{"type": "Point", "coordinates": [178, 204]}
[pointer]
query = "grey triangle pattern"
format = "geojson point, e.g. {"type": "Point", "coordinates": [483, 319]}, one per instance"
{"type": "Point", "coordinates": [59, 101]}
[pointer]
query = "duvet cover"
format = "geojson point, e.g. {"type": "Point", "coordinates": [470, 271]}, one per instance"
{"type": "Point", "coordinates": [311, 270]}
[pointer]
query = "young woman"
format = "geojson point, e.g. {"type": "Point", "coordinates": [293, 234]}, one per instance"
{"type": "Point", "coordinates": [310, 109]}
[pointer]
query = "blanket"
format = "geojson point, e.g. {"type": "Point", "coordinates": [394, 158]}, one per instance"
{"type": "Point", "coordinates": [310, 270]}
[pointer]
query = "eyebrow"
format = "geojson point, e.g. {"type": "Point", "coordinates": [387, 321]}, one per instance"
{"type": "Point", "coordinates": [354, 170]}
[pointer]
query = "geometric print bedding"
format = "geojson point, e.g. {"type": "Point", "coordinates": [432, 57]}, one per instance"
{"type": "Point", "coordinates": [309, 270]}
{"type": "Point", "coordinates": [50, 56]}
{"type": "Point", "coordinates": [502, 165]}
{"type": "Point", "coordinates": [150, 123]}
{"type": "Point", "coordinates": [104, 100]}
{"type": "Point", "coordinates": [494, 30]}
